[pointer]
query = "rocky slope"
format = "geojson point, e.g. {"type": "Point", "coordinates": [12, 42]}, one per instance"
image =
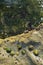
{"type": "Point", "coordinates": [12, 54]}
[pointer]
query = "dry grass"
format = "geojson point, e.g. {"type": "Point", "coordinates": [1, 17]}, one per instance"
{"type": "Point", "coordinates": [21, 37]}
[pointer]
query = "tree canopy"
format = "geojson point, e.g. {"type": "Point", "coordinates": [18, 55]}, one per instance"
{"type": "Point", "coordinates": [14, 17]}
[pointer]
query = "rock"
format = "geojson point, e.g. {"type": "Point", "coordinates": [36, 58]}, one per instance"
{"type": "Point", "coordinates": [26, 31]}
{"type": "Point", "coordinates": [37, 29]}
{"type": "Point", "coordinates": [36, 36]}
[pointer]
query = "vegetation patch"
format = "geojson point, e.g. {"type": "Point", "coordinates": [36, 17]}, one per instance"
{"type": "Point", "coordinates": [36, 52]}
{"type": "Point", "coordinates": [23, 52]}
{"type": "Point", "coordinates": [12, 53]}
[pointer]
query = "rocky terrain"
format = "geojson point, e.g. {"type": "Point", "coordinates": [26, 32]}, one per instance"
{"type": "Point", "coordinates": [13, 49]}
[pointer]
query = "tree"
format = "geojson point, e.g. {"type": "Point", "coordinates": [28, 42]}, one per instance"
{"type": "Point", "coordinates": [30, 10]}
{"type": "Point", "coordinates": [19, 14]}
{"type": "Point", "coordinates": [27, 10]}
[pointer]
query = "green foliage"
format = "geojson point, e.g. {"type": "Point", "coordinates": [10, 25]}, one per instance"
{"type": "Point", "coordinates": [23, 52]}
{"type": "Point", "coordinates": [15, 18]}
{"type": "Point", "coordinates": [41, 13]}
{"type": "Point", "coordinates": [36, 52]}
{"type": "Point", "coordinates": [19, 47]}
{"type": "Point", "coordinates": [8, 50]}
{"type": "Point", "coordinates": [12, 53]}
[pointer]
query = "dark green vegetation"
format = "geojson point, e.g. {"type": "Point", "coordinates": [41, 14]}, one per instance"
{"type": "Point", "coordinates": [31, 47]}
{"type": "Point", "coordinates": [19, 47]}
{"type": "Point", "coordinates": [16, 18]}
{"type": "Point", "coordinates": [8, 50]}
{"type": "Point", "coordinates": [23, 52]}
{"type": "Point", "coordinates": [12, 53]}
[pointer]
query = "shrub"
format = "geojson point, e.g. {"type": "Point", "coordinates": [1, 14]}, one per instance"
{"type": "Point", "coordinates": [12, 53]}
{"type": "Point", "coordinates": [8, 50]}
{"type": "Point", "coordinates": [17, 53]}
{"type": "Point", "coordinates": [19, 47]}
{"type": "Point", "coordinates": [23, 52]}
{"type": "Point", "coordinates": [31, 47]}
{"type": "Point", "coordinates": [36, 52]}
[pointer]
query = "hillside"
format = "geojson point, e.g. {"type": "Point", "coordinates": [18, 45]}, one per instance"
{"type": "Point", "coordinates": [34, 37]}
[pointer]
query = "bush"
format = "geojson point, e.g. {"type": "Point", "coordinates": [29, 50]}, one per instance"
{"type": "Point", "coordinates": [36, 52]}
{"type": "Point", "coordinates": [23, 52]}
{"type": "Point", "coordinates": [8, 50]}
{"type": "Point", "coordinates": [12, 53]}
{"type": "Point", "coordinates": [31, 47]}
{"type": "Point", "coordinates": [19, 47]}
{"type": "Point", "coordinates": [17, 53]}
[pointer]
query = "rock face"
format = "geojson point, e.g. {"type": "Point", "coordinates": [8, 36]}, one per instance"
{"type": "Point", "coordinates": [15, 57]}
